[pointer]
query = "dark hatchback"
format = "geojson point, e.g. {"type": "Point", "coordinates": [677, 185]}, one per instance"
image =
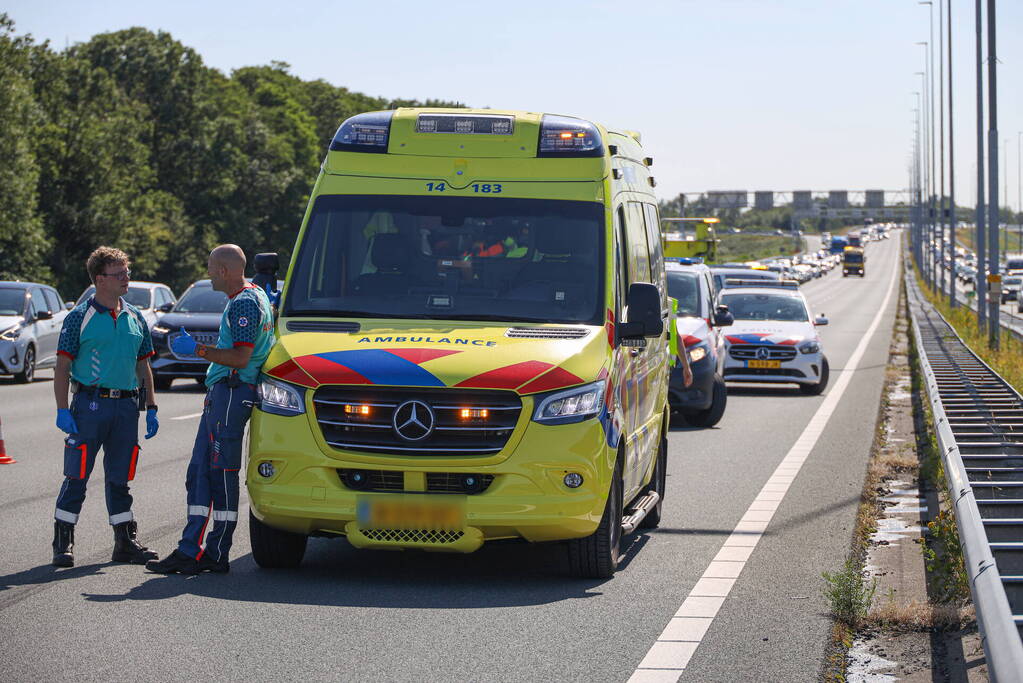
{"type": "Point", "coordinates": [199, 311]}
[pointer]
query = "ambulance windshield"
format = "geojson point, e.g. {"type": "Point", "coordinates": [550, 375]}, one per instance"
{"type": "Point", "coordinates": [450, 258]}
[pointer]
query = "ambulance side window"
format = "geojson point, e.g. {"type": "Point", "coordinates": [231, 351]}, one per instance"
{"type": "Point", "coordinates": [653, 238]}
{"type": "Point", "coordinates": [638, 254]}
{"type": "Point", "coordinates": [622, 268]}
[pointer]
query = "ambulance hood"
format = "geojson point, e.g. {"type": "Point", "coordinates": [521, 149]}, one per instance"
{"type": "Point", "coordinates": [526, 359]}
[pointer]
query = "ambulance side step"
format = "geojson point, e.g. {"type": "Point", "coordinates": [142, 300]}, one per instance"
{"type": "Point", "coordinates": [638, 511]}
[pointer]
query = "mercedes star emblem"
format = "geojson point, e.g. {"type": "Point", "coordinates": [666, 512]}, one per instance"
{"type": "Point", "coordinates": [413, 420]}
{"type": "Point", "coordinates": [763, 353]}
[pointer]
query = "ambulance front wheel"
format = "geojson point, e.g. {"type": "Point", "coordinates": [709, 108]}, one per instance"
{"type": "Point", "coordinates": [273, 548]}
{"type": "Point", "coordinates": [597, 555]}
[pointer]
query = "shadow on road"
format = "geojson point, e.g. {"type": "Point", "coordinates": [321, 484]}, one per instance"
{"type": "Point", "coordinates": [334, 574]}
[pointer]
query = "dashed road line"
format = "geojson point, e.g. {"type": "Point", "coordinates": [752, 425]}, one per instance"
{"type": "Point", "coordinates": [670, 654]}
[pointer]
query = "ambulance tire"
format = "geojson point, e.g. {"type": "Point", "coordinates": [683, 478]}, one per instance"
{"type": "Point", "coordinates": [658, 483]}
{"type": "Point", "coordinates": [273, 548]}
{"type": "Point", "coordinates": [818, 388]}
{"type": "Point", "coordinates": [597, 555]}
{"type": "Point", "coordinates": [28, 370]}
{"type": "Point", "coordinates": [710, 416]}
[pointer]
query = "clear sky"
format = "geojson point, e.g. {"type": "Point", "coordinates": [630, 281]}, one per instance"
{"type": "Point", "coordinates": [728, 94]}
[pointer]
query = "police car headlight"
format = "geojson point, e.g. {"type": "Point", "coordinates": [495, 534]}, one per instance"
{"type": "Point", "coordinates": [572, 405]}
{"type": "Point", "coordinates": [11, 333]}
{"type": "Point", "coordinates": [279, 398]}
{"type": "Point", "coordinates": [697, 353]}
{"type": "Point", "coordinates": [810, 347]}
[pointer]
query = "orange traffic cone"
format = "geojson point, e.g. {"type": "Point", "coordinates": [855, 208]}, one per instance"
{"type": "Point", "coordinates": [4, 458]}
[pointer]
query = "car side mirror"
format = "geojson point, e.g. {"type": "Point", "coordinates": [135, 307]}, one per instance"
{"type": "Point", "coordinates": [68, 305]}
{"type": "Point", "coordinates": [165, 308]}
{"type": "Point", "coordinates": [644, 313]}
{"type": "Point", "coordinates": [723, 317]}
{"type": "Point", "coordinates": [44, 315]}
{"type": "Point", "coordinates": [820, 320]}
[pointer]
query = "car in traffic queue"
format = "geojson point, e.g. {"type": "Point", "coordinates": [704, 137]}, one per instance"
{"type": "Point", "coordinates": [698, 326]}
{"type": "Point", "coordinates": [1010, 287]}
{"type": "Point", "coordinates": [471, 343]}
{"type": "Point", "coordinates": [31, 316]}
{"type": "Point", "coordinates": [199, 311]}
{"type": "Point", "coordinates": [773, 337]}
{"type": "Point", "coordinates": [153, 299]}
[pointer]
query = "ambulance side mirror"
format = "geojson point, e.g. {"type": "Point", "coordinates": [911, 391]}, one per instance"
{"type": "Point", "coordinates": [644, 313]}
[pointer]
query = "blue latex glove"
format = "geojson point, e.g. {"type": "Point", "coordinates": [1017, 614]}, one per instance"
{"type": "Point", "coordinates": [184, 344]}
{"type": "Point", "coordinates": [66, 421]}
{"type": "Point", "coordinates": [274, 295]}
{"type": "Point", "coordinates": [152, 424]}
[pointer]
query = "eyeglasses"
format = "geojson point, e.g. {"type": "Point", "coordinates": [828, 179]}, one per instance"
{"type": "Point", "coordinates": [121, 275]}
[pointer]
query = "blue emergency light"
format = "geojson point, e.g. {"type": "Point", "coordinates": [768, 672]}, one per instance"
{"type": "Point", "coordinates": [364, 133]}
{"type": "Point", "coordinates": [685, 260]}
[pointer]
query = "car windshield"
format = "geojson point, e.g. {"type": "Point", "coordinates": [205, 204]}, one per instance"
{"type": "Point", "coordinates": [138, 297]}
{"type": "Point", "coordinates": [854, 258]}
{"type": "Point", "coordinates": [765, 306]}
{"type": "Point", "coordinates": [201, 299]}
{"type": "Point", "coordinates": [12, 301]}
{"type": "Point", "coordinates": [685, 287]}
{"type": "Point", "coordinates": [450, 258]}
{"type": "Point", "coordinates": [1013, 280]}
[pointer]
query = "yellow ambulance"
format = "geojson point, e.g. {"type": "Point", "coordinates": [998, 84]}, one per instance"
{"type": "Point", "coordinates": [472, 343]}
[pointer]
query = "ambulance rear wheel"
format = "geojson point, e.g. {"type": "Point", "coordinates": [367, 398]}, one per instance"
{"type": "Point", "coordinates": [658, 483]}
{"type": "Point", "coordinates": [273, 548]}
{"type": "Point", "coordinates": [597, 555]}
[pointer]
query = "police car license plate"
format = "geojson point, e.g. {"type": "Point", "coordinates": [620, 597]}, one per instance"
{"type": "Point", "coordinates": [763, 364]}
{"type": "Point", "coordinates": [410, 512]}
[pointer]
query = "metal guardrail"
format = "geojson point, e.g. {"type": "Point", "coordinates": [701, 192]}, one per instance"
{"type": "Point", "coordinates": [979, 422]}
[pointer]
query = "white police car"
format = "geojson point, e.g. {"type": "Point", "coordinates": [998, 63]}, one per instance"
{"type": "Point", "coordinates": [773, 337]}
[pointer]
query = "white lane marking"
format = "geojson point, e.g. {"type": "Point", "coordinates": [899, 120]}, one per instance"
{"type": "Point", "coordinates": [187, 417]}
{"type": "Point", "coordinates": [670, 654]}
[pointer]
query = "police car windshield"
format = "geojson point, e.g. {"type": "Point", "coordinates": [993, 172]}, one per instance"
{"type": "Point", "coordinates": [764, 306]}
{"type": "Point", "coordinates": [685, 287]}
{"type": "Point", "coordinates": [139, 297]}
{"type": "Point", "coordinates": [447, 258]}
{"type": "Point", "coordinates": [12, 301]}
{"type": "Point", "coordinates": [201, 299]}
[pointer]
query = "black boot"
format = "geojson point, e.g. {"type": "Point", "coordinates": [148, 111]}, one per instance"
{"type": "Point", "coordinates": [175, 563]}
{"type": "Point", "coordinates": [127, 548]}
{"type": "Point", "coordinates": [63, 544]}
{"type": "Point", "coordinates": [208, 564]}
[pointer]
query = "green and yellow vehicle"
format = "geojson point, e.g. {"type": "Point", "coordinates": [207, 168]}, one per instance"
{"type": "Point", "coordinates": [690, 237]}
{"type": "Point", "coordinates": [854, 261]}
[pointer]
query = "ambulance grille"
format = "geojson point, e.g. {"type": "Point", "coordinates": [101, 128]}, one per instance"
{"type": "Point", "coordinates": [546, 333]}
{"type": "Point", "coordinates": [322, 326]}
{"type": "Point", "coordinates": [423, 536]}
{"type": "Point", "coordinates": [774, 351]}
{"type": "Point", "coordinates": [451, 435]}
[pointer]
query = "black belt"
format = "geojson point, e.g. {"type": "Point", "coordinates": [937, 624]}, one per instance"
{"type": "Point", "coordinates": [103, 392]}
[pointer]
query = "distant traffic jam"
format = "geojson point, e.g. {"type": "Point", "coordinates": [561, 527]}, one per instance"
{"type": "Point", "coordinates": [461, 356]}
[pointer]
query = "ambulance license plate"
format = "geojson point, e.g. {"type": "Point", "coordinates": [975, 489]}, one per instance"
{"type": "Point", "coordinates": [769, 364]}
{"type": "Point", "coordinates": [410, 512]}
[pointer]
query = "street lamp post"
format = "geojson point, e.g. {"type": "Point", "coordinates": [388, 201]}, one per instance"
{"type": "Point", "coordinates": [980, 278]}
{"type": "Point", "coordinates": [951, 176]}
{"type": "Point", "coordinates": [932, 238]}
{"type": "Point", "coordinates": [994, 324]}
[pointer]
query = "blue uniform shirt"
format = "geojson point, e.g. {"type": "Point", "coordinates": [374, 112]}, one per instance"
{"type": "Point", "coordinates": [104, 349]}
{"type": "Point", "coordinates": [247, 321]}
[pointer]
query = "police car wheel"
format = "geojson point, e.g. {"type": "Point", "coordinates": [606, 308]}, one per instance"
{"type": "Point", "coordinates": [818, 388]}
{"type": "Point", "coordinates": [597, 555]}
{"type": "Point", "coordinates": [273, 548]}
{"type": "Point", "coordinates": [658, 483]}
{"type": "Point", "coordinates": [712, 415]}
{"type": "Point", "coordinates": [163, 383]}
{"type": "Point", "coordinates": [28, 369]}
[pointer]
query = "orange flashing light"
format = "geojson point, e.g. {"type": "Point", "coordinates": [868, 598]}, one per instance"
{"type": "Point", "coordinates": [356, 409]}
{"type": "Point", "coordinates": [566, 135]}
{"type": "Point", "coordinates": [474, 413]}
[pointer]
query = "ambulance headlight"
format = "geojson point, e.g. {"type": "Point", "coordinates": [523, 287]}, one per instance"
{"type": "Point", "coordinates": [364, 133]}
{"type": "Point", "coordinates": [566, 136]}
{"type": "Point", "coordinates": [280, 398]}
{"type": "Point", "coordinates": [571, 405]}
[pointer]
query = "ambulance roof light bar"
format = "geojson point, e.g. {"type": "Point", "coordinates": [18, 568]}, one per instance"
{"type": "Point", "coordinates": [368, 132]}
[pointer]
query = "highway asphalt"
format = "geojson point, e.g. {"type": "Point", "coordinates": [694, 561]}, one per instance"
{"type": "Point", "coordinates": [507, 612]}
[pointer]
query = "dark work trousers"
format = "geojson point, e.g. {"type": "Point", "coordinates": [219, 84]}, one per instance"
{"type": "Point", "coordinates": [212, 480]}
{"type": "Point", "coordinates": [110, 423]}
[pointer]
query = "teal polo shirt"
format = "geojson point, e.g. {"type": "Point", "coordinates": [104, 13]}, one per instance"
{"type": "Point", "coordinates": [247, 321]}
{"type": "Point", "coordinates": [104, 348]}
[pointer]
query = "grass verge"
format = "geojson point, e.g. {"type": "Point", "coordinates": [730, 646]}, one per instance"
{"type": "Point", "coordinates": [746, 247]}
